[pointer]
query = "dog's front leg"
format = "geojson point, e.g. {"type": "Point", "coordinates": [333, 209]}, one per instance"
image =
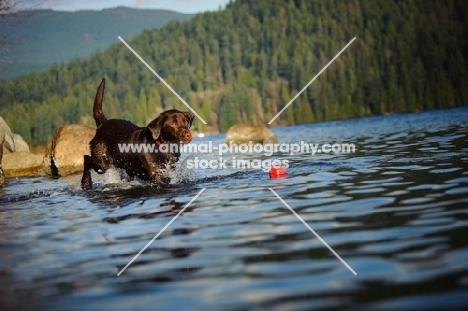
{"type": "Point", "coordinates": [86, 181]}
{"type": "Point", "coordinates": [157, 175]}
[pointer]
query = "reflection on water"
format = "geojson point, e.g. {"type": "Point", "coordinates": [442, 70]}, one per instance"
{"type": "Point", "coordinates": [395, 211]}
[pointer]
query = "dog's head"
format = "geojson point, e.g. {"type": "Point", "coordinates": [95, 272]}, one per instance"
{"type": "Point", "coordinates": [172, 126]}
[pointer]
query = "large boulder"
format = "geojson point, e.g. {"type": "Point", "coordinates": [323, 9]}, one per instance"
{"type": "Point", "coordinates": [64, 155]}
{"type": "Point", "coordinates": [240, 133]}
{"type": "Point", "coordinates": [15, 158]}
{"type": "Point", "coordinates": [20, 144]}
{"type": "Point", "coordinates": [8, 144]}
{"type": "Point", "coordinates": [22, 164]}
{"type": "Point", "coordinates": [2, 175]}
{"type": "Point", "coordinates": [13, 142]}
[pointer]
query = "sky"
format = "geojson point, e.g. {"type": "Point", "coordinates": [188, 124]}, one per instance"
{"type": "Point", "coordinates": [182, 6]}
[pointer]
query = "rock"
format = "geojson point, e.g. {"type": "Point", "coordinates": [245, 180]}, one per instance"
{"type": "Point", "coordinates": [15, 158]}
{"type": "Point", "coordinates": [13, 142]}
{"type": "Point", "coordinates": [8, 143]}
{"type": "Point", "coordinates": [22, 164]}
{"type": "Point", "coordinates": [20, 144]}
{"type": "Point", "coordinates": [241, 133]}
{"type": "Point", "coordinates": [2, 174]}
{"type": "Point", "coordinates": [64, 155]}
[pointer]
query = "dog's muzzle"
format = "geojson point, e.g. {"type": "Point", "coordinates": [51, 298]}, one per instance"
{"type": "Point", "coordinates": [186, 136]}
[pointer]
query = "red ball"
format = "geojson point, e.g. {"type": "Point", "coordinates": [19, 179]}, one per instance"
{"type": "Point", "coordinates": [277, 171]}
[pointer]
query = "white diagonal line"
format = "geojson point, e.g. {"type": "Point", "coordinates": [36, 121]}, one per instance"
{"type": "Point", "coordinates": [312, 230]}
{"type": "Point", "coordinates": [310, 82]}
{"type": "Point", "coordinates": [162, 230]}
{"type": "Point", "coordinates": [162, 80]}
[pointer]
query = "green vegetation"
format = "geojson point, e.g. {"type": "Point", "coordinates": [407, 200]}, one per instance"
{"type": "Point", "coordinates": [245, 63]}
{"type": "Point", "coordinates": [36, 39]}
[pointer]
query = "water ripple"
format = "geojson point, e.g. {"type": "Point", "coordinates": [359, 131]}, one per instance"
{"type": "Point", "coordinates": [395, 211]}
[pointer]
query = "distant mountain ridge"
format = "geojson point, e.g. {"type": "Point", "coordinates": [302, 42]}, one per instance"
{"type": "Point", "coordinates": [43, 37]}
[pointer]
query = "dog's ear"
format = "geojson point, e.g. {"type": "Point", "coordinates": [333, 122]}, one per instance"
{"type": "Point", "coordinates": [156, 125]}
{"type": "Point", "coordinates": [190, 116]}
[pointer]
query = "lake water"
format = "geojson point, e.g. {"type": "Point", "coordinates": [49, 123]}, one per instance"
{"type": "Point", "coordinates": [396, 211]}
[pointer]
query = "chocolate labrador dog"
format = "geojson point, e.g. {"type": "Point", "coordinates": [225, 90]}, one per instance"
{"type": "Point", "coordinates": [158, 139]}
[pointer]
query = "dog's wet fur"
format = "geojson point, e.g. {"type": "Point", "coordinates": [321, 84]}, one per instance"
{"type": "Point", "coordinates": [170, 127]}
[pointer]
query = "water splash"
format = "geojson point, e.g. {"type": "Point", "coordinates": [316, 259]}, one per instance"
{"type": "Point", "coordinates": [115, 176]}
{"type": "Point", "coordinates": [118, 178]}
{"type": "Point", "coordinates": [180, 174]}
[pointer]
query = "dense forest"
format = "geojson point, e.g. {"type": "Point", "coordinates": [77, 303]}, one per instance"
{"type": "Point", "coordinates": [244, 63]}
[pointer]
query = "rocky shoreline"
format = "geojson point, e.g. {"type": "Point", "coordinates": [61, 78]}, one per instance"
{"type": "Point", "coordinates": [62, 156]}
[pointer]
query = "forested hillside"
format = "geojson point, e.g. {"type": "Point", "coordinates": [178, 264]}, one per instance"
{"type": "Point", "coordinates": [245, 63]}
{"type": "Point", "coordinates": [41, 37]}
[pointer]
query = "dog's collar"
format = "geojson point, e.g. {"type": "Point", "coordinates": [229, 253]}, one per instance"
{"type": "Point", "coordinates": [159, 144]}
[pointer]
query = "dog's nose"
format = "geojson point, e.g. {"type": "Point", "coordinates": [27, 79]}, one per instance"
{"type": "Point", "coordinates": [188, 136]}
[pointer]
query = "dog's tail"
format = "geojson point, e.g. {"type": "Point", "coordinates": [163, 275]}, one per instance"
{"type": "Point", "coordinates": [97, 108]}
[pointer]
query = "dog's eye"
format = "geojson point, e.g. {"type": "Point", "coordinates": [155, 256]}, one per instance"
{"type": "Point", "coordinates": [173, 122]}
